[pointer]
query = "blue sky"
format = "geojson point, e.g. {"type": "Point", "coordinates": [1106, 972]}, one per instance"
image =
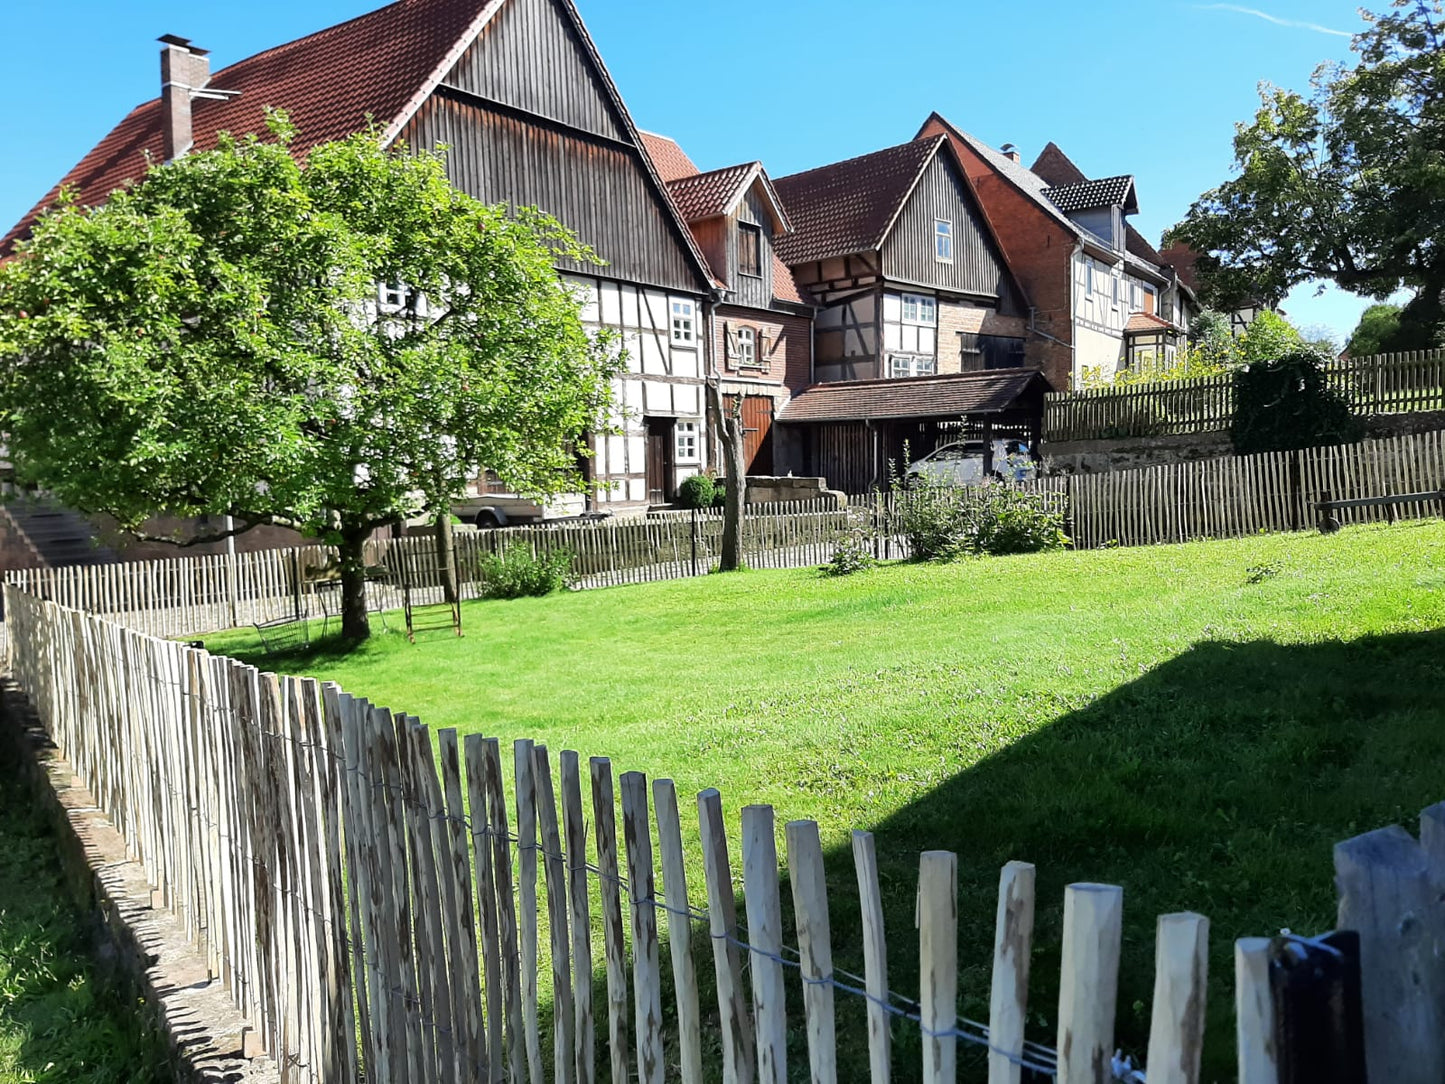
{"type": "Point", "coordinates": [1149, 87]}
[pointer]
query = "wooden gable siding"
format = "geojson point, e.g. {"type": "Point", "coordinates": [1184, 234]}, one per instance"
{"type": "Point", "coordinates": [754, 290]}
{"type": "Point", "coordinates": [597, 189]}
{"type": "Point", "coordinates": [908, 252]}
{"type": "Point", "coordinates": [529, 57]}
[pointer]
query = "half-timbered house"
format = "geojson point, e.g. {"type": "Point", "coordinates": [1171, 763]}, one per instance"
{"type": "Point", "coordinates": [518, 93]}
{"type": "Point", "coordinates": [1086, 269]}
{"type": "Point", "coordinates": [916, 310]}
{"type": "Point", "coordinates": [761, 327]}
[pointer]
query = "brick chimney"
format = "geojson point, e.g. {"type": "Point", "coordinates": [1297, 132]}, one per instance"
{"type": "Point", "coordinates": [185, 70]}
{"type": "Point", "coordinates": [1011, 152]}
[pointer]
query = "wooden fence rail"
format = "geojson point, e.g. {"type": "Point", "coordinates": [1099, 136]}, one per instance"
{"type": "Point", "coordinates": [1227, 497]}
{"type": "Point", "coordinates": [326, 863]}
{"type": "Point", "coordinates": [1379, 384]}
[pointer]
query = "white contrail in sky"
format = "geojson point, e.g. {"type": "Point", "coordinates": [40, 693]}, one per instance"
{"type": "Point", "coordinates": [1267, 17]}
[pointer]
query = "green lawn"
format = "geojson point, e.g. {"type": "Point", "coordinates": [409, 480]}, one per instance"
{"type": "Point", "coordinates": [57, 1024]}
{"type": "Point", "coordinates": [1197, 723]}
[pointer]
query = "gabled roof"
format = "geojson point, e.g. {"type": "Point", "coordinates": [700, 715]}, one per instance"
{"type": "Point", "coordinates": [1057, 168]}
{"type": "Point", "coordinates": [329, 82]}
{"type": "Point", "coordinates": [988, 392]}
{"type": "Point", "coordinates": [670, 159]}
{"type": "Point", "coordinates": [678, 170]}
{"type": "Point", "coordinates": [1088, 195]}
{"type": "Point", "coordinates": [850, 206]}
{"type": "Point", "coordinates": [378, 68]}
{"type": "Point", "coordinates": [1028, 183]}
{"type": "Point", "coordinates": [718, 192]}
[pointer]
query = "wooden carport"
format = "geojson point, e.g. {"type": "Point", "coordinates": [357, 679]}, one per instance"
{"type": "Point", "coordinates": [849, 432]}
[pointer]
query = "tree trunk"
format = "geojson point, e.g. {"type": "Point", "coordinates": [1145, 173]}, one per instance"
{"type": "Point", "coordinates": [354, 623]}
{"type": "Point", "coordinates": [730, 430]}
{"type": "Point", "coordinates": [446, 557]}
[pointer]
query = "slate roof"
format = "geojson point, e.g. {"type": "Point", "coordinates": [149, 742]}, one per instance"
{"type": "Point", "coordinates": [952, 396]}
{"type": "Point", "coordinates": [849, 206]}
{"type": "Point", "coordinates": [1087, 195]}
{"type": "Point", "coordinates": [329, 82]}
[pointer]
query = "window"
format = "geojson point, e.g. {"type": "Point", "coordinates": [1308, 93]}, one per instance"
{"type": "Point", "coordinates": [747, 353]}
{"type": "Point", "coordinates": [1088, 278]}
{"type": "Point", "coordinates": [1115, 280]}
{"type": "Point", "coordinates": [904, 365]}
{"type": "Point", "coordinates": [682, 321]}
{"type": "Point", "coordinates": [919, 309]}
{"type": "Point", "coordinates": [750, 249]}
{"type": "Point", "coordinates": [943, 240]}
{"type": "Point", "coordinates": [393, 295]}
{"type": "Point", "coordinates": [686, 441]}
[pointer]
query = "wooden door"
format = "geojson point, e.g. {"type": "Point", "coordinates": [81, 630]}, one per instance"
{"type": "Point", "coordinates": [660, 472]}
{"type": "Point", "coordinates": [757, 421]}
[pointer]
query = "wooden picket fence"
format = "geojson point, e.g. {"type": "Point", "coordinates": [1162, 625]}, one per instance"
{"type": "Point", "coordinates": [1228, 497]}
{"type": "Point", "coordinates": [188, 595]}
{"type": "Point", "coordinates": [379, 919]}
{"type": "Point", "coordinates": [368, 894]}
{"type": "Point", "coordinates": [1379, 384]}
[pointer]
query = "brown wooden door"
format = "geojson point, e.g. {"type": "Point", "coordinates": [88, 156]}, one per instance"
{"type": "Point", "coordinates": [757, 419]}
{"type": "Point", "coordinates": [660, 470]}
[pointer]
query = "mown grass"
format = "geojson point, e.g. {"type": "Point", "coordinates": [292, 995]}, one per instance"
{"type": "Point", "coordinates": [58, 1023]}
{"type": "Point", "coordinates": [1198, 723]}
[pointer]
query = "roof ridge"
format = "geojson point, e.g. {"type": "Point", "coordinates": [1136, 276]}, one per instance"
{"type": "Point", "coordinates": [855, 158]}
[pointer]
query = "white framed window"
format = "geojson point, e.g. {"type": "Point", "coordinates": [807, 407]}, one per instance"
{"type": "Point", "coordinates": [686, 433]}
{"type": "Point", "coordinates": [393, 295]}
{"type": "Point", "coordinates": [747, 347]}
{"type": "Point", "coordinates": [1115, 280]}
{"type": "Point", "coordinates": [1088, 278]}
{"type": "Point", "coordinates": [920, 309]}
{"type": "Point", "coordinates": [684, 315]}
{"type": "Point", "coordinates": [943, 240]}
{"type": "Point", "coordinates": [905, 365]}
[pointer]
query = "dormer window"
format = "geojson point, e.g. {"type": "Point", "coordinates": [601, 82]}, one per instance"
{"type": "Point", "coordinates": [750, 249]}
{"type": "Point", "coordinates": [943, 240]}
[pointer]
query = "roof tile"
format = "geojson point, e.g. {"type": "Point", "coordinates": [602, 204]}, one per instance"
{"type": "Point", "coordinates": [954, 395]}
{"type": "Point", "coordinates": [1086, 195]}
{"type": "Point", "coordinates": [332, 83]}
{"type": "Point", "coordinates": [706, 195]}
{"type": "Point", "coordinates": [847, 206]}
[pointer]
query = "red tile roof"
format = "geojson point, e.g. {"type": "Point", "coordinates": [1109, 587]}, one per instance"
{"type": "Point", "coordinates": [670, 159]}
{"type": "Point", "coordinates": [706, 195]}
{"type": "Point", "coordinates": [678, 170]}
{"type": "Point", "coordinates": [951, 396]}
{"type": "Point", "coordinates": [379, 65]}
{"type": "Point", "coordinates": [849, 206]}
{"type": "Point", "coordinates": [1147, 321]}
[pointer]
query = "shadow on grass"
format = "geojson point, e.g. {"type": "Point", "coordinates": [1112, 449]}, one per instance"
{"type": "Point", "coordinates": [1217, 782]}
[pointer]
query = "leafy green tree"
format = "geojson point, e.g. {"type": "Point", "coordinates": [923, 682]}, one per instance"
{"type": "Point", "coordinates": [1211, 340]}
{"type": "Point", "coordinates": [1378, 332]}
{"type": "Point", "coordinates": [1268, 336]}
{"type": "Point", "coordinates": [1285, 402]}
{"type": "Point", "coordinates": [212, 341]}
{"type": "Point", "coordinates": [1345, 183]}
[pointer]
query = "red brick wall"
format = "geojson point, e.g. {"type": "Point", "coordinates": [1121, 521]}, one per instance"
{"type": "Point", "coordinates": [1039, 252]}
{"type": "Point", "coordinates": [783, 350]}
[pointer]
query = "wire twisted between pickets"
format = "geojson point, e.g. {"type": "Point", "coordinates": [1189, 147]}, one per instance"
{"type": "Point", "coordinates": [1035, 1057]}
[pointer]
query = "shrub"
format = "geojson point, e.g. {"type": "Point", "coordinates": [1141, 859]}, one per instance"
{"type": "Point", "coordinates": [699, 491]}
{"type": "Point", "coordinates": [517, 573]}
{"type": "Point", "coordinates": [852, 554]}
{"type": "Point", "coordinates": [944, 523]}
{"type": "Point", "coordinates": [1285, 403]}
{"type": "Point", "coordinates": [720, 492]}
